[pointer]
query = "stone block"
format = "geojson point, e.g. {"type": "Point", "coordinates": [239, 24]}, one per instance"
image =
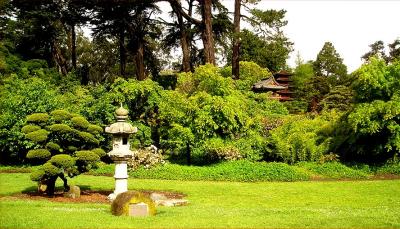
{"type": "Point", "coordinates": [139, 209]}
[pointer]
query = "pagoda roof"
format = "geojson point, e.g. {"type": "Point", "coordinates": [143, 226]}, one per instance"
{"type": "Point", "coordinates": [268, 84]}
{"type": "Point", "coordinates": [282, 73]}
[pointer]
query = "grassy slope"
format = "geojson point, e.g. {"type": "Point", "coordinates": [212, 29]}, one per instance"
{"type": "Point", "coordinates": [217, 204]}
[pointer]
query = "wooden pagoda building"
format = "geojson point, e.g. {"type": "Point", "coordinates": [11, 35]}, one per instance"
{"type": "Point", "coordinates": [279, 84]}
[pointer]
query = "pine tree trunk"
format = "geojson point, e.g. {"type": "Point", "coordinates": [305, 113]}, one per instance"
{"type": "Point", "coordinates": [73, 46]}
{"type": "Point", "coordinates": [139, 59]}
{"type": "Point", "coordinates": [236, 41]}
{"type": "Point", "coordinates": [207, 34]}
{"type": "Point", "coordinates": [122, 53]}
{"type": "Point", "coordinates": [58, 58]}
{"type": "Point", "coordinates": [185, 45]}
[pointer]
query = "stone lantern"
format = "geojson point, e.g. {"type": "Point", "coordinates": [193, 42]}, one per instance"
{"type": "Point", "coordinates": [120, 152]}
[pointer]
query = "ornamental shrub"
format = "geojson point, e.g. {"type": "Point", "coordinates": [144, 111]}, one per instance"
{"type": "Point", "coordinates": [64, 161]}
{"type": "Point", "coordinates": [29, 128]}
{"type": "Point", "coordinates": [53, 146]}
{"type": "Point", "coordinates": [217, 150]}
{"type": "Point", "coordinates": [88, 137]}
{"type": "Point", "coordinates": [59, 137]}
{"type": "Point", "coordinates": [37, 117]}
{"type": "Point", "coordinates": [100, 152]}
{"type": "Point", "coordinates": [94, 129]}
{"type": "Point", "coordinates": [146, 157]}
{"type": "Point", "coordinates": [61, 115]}
{"type": "Point", "coordinates": [38, 155]}
{"type": "Point", "coordinates": [87, 156]}
{"type": "Point", "coordinates": [38, 135]}
{"type": "Point", "coordinates": [80, 122]}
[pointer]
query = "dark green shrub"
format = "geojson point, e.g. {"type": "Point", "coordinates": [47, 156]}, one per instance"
{"type": "Point", "coordinates": [60, 115]}
{"type": "Point", "coordinates": [72, 148]}
{"type": "Point", "coordinates": [38, 136]}
{"type": "Point", "coordinates": [38, 155]}
{"type": "Point", "coordinates": [53, 146]}
{"type": "Point", "coordinates": [88, 137]}
{"type": "Point", "coordinates": [87, 156]}
{"type": "Point", "coordinates": [100, 152]}
{"type": "Point", "coordinates": [62, 161]}
{"type": "Point", "coordinates": [94, 129]}
{"type": "Point", "coordinates": [120, 206]}
{"type": "Point", "coordinates": [37, 175]}
{"type": "Point", "coordinates": [29, 128]}
{"type": "Point", "coordinates": [61, 128]}
{"type": "Point", "coordinates": [37, 117]}
{"type": "Point", "coordinates": [50, 170]}
{"type": "Point", "coordinates": [80, 122]}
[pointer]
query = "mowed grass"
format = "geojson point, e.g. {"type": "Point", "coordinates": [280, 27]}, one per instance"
{"type": "Point", "coordinates": [215, 204]}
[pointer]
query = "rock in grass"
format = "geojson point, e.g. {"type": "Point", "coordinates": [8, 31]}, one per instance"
{"type": "Point", "coordinates": [74, 192]}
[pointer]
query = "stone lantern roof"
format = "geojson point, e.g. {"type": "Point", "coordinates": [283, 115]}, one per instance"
{"type": "Point", "coordinates": [121, 126]}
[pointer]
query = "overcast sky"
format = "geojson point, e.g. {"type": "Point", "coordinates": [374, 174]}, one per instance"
{"type": "Point", "coordinates": [350, 25]}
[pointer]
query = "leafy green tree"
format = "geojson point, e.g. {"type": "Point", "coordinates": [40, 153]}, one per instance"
{"type": "Point", "coordinates": [377, 50]}
{"type": "Point", "coordinates": [329, 63]}
{"type": "Point", "coordinates": [64, 144]}
{"type": "Point", "coordinates": [370, 132]}
{"type": "Point", "coordinates": [267, 46]}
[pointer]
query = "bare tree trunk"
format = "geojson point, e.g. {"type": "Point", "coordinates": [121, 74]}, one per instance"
{"type": "Point", "coordinates": [207, 34]}
{"type": "Point", "coordinates": [236, 41]}
{"type": "Point", "coordinates": [139, 59]}
{"type": "Point", "coordinates": [122, 53]}
{"type": "Point", "coordinates": [73, 46]}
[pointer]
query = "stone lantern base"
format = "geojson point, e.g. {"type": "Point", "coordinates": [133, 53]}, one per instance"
{"type": "Point", "coordinates": [121, 176]}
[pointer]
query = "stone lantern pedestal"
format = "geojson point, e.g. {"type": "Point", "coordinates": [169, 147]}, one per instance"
{"type": "Point", "coordinates": [121, 153]}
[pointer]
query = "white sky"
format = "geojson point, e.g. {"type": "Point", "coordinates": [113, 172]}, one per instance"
{"type": "Point", "coordinates": [350, 25]}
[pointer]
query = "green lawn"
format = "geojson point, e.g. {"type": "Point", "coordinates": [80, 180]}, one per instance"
{"type": "Point", "coordinates": [216, 204]}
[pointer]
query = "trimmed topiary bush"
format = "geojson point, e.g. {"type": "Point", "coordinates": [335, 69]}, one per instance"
{"type": "Point", "coordinates": [61, 128]}
{"type": "Point", "coordinates": [87, 156]}
{"type": "Point", "coordinates": [88, 137]}
{"type": "Point", "coordinates": [120, 206]}
{"type": "Point", "coordinates": [100, 152]}
{"type": "Point", "coordinates": [80, 122]}
{"type": "Point", "coordinates": [94, 129]}
{"type": "Point", "coordinates": [29, 128]}
{"type": "Point", "coordinates": [38, 117]}
{"type": "Point", "coordinates": [62, 161]}
{"type": "Point", "coordinates": [38, 135]}
{"type": "Point", "coordinates": [60, 136]}
{"type": "Point", "coordinates": [60, 115]}
{"type": "Point", "coordinates": [38, 155]}
{"type": "Point", "coordinates": [53, 146]}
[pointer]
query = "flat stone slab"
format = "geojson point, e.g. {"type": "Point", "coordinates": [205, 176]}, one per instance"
{"type": "Point", "coordinates": [171, 202]}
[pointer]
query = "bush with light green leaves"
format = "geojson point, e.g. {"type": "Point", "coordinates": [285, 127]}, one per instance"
{"type": "Point", "coordinates": [64, 144]}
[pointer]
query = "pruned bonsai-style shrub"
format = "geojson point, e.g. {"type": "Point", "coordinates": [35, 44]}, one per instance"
{"type": "Point", "coordinates": [120, 206]}
{"type": "Point", "coordinates": [62, 146]}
